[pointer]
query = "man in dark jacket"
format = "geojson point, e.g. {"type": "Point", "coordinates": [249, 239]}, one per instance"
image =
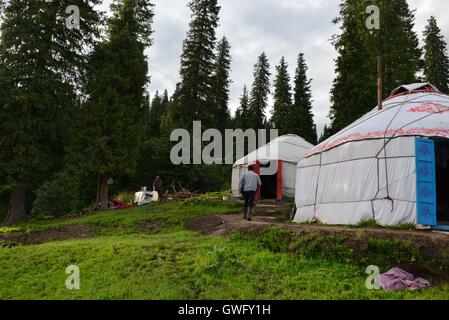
{"type": "Point", "coordinates": [248, 185]}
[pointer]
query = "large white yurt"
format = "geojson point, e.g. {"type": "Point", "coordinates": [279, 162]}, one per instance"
{"type": "Point", "coordinates": [391, 166]}
{"type": "Point", "coordinates": [276, 163]}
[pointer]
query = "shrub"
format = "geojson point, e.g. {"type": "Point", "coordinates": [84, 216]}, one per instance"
{"type": "Point", "coordinates": [66, 193]}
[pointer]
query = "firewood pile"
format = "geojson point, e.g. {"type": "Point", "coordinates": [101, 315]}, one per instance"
{"type": "Point", "coordinates": [180, 193]}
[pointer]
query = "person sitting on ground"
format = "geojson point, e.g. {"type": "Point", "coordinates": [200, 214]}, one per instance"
{"type": "Point", "coordinates": [248, 185]}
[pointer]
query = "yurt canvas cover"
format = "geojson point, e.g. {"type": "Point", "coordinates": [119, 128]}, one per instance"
{"type": "Point", "coordinates": [285, 152]}
{"type": "Point", "coordinates": [390, 166]}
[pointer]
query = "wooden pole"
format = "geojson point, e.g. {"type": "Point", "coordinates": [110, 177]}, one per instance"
{"type": "Point", "coordinates": [379, 83]}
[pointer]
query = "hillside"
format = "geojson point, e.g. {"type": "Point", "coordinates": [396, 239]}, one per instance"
{"type": "Point", "coordinates": [147, 253]}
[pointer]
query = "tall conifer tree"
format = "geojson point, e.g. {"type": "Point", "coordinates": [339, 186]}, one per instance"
{"type": "Point", "coordinates": [41, 64]}
{"type": "Point", "coordinates": [221, 83]}
{"type": "Point", "coordinates": [436, 60]}
{"type": "Point", "coordinates": [106, 141]}
{"type": "Point", "coordinates": [282, 98]}
{"type": "Point", "coordinates": [354, 89]}
{"type": "Point", "coordinates": [260, 90]}
{"type": "Point", "coordinates": [300, 118]}
{"type": "Point", "coordinates": [242, 112]}
{"type": "Point", "coordinates": [193, 99]}
{"type": "Point", "coordinates": [158, 105]}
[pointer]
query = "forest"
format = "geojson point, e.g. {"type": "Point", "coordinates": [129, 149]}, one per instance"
{"type": "Point", "coordinates": [78, 124]}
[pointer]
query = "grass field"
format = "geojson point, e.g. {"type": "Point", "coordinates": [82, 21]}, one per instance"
{"type": "Point", "coordinates": [123, 260]}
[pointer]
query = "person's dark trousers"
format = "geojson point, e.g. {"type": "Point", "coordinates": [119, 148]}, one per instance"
{"type": "Point", "coordinates": [249, 197]}
{"type": "Point", "coordinates": [159, 193]}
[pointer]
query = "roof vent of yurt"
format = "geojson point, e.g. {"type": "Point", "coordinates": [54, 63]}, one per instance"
{"type": "Point", "coordinates": [413, 88]}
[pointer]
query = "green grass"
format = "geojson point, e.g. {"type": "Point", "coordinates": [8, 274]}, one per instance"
{"type": "Point", "coordinates": [122, 222]}
{"type": "Point", "coordinates": [121, 262]}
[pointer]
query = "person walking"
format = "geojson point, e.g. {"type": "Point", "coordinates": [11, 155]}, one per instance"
{"type": "Point", "coordinates": [248, 185]}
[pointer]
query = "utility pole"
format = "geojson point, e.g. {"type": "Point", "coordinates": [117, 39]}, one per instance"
{"type": "Point", "coordinates": [379, 83]}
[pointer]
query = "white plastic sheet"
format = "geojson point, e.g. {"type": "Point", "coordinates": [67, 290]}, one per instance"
{"type": "Point", "coordinates": [142, 198]}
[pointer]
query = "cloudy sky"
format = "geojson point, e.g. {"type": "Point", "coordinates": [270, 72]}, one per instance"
{"type": "Point", "coordinates": [278, 27]}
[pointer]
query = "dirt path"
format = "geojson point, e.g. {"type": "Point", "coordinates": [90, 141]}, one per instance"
{"type": "Point", "coordinates": [222, 225]}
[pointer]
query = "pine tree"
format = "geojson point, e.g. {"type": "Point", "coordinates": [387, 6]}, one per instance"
{"type": "Point", "coordinates": [399, 45]}
{"type": "Point", "coordinates": [155, 116]}
{"type": "Point", "coordinates": [193, 100]}
{"type": "Point", "coordinates": [354, 89]}
{"type": "Point", "coordinates": [325, 135]}
{"type": "Point", "coordinates": [258, 102]}
{"type": "Point", "coordinates": [41, 65]}
{"type": "Point", "coordinates": [436, 60]}
{"type": "Point", "coordinates": [300, 117]}
{"type": "Point", "coordinates": [282, 98]}
{"type": "Point", "coordinates": [158, 109]}
{"type": "Point", "coordinates": [221, 83]}
{"type": "Point", "coordinates": [165, 100]}
{"type": "Point", "coordinates": [107, 136]}
{"type": "Point", "coordinates": [242, 112]}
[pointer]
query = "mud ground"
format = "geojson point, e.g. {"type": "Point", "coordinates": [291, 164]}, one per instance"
{"type": "Point", "coordinates": [54, 234]}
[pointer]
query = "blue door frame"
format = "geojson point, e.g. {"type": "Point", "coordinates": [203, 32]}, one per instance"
{"type": "Point", "coordinates": [426, 187]}
{"type": "Point", "coordinates": [426, 198]}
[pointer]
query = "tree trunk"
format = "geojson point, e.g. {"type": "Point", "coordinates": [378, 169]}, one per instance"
{"type": "Point", "coordinates": [16, 210]}
{"type": "Point", "coordinates": [103, 191]}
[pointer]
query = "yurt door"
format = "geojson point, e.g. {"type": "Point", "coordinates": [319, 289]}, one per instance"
{"type": "Point", "coordinates": [257, 170]}
{"type": "Point", "coordinates": [426, 199]}
{"type": "Point", "coordinates": [279, 193]}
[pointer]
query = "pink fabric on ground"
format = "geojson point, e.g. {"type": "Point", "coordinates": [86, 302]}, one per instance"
{"type": "Point", "coordinates": [398, 279]}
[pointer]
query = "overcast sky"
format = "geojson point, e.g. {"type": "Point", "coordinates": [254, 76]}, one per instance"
{"type": "Point", "coordinates": [278, 27]}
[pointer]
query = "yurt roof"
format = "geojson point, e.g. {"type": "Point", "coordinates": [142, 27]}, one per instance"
{"type": "Point", "coordinates": [418, 109]}
{"type": "Point", "coordinates": [288, 148]}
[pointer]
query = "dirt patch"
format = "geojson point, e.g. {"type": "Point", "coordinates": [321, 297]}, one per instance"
{"type": "Point", "coordinates": [434, 275]}
{"type": "Point", "coordinates": [207, 225]}
{"type": "Point", "coordinates": [75, 231]}
{"type": "Point", "coordinates": [152, 226]}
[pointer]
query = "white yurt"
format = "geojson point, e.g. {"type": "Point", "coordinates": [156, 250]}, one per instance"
{"type": "Point", "coordinates": [276, 163]}
{"type": "Point", "coordinates": [391, 166]}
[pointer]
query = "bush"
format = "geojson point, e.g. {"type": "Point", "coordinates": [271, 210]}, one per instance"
{"type": "Point", "coordinates": [66, 193]}
{"type": "Point", "coordinates": [126, 197]}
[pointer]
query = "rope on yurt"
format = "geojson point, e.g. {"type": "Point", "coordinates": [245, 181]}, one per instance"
{"type": "Point", "coordinates": [384, 149]}
{"type": "Point", "coordinates": [407, 124]}
{"type": "Point", "coordinates": [318, 181]}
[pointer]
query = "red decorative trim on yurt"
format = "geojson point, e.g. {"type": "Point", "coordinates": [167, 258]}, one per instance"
{"type": "Point", "coordinates": [430, 132]}
{"type": "Point", "coordinates": [429, 108]}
